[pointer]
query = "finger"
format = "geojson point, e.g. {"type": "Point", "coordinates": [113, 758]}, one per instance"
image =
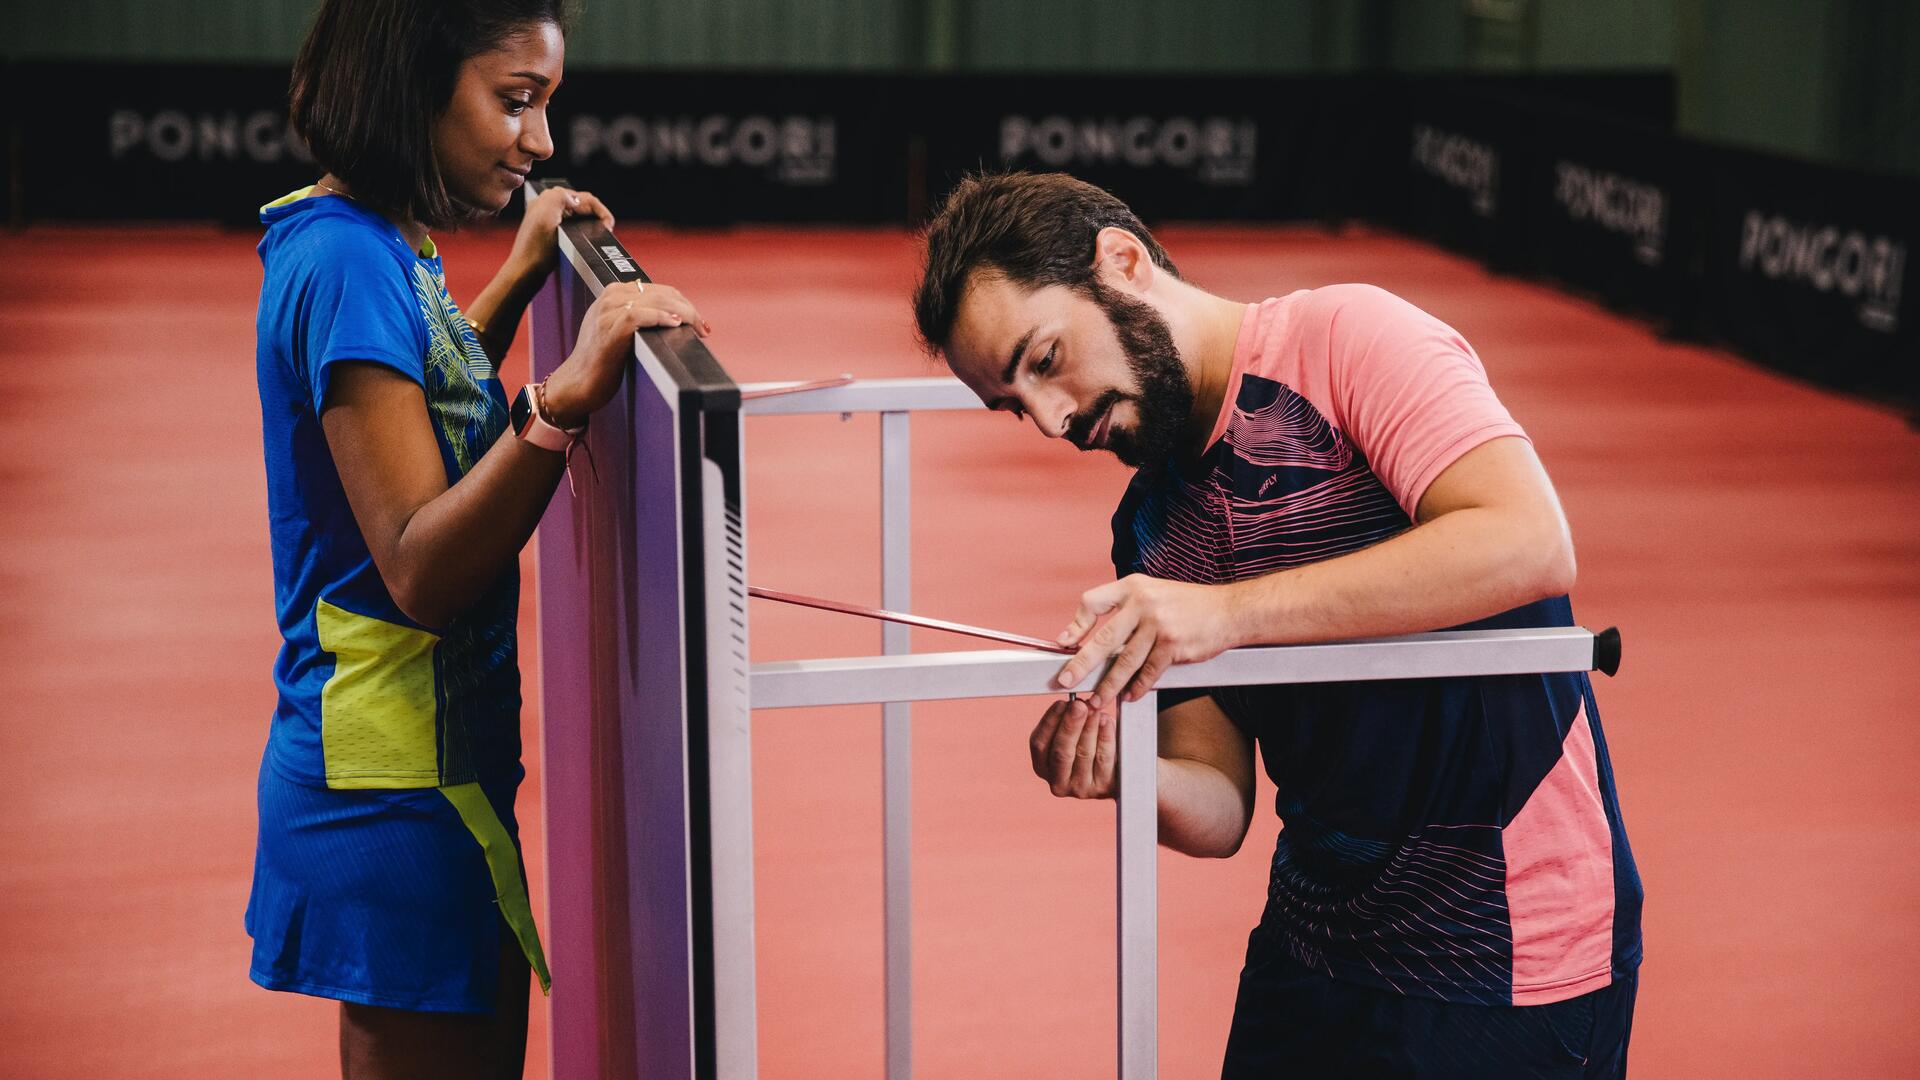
{"type": "Point", "coordinates": [1128, 661]}
{"type": "Point", "coordinates": [645, 315]}
{"type": "Point", "coordinates": [672, 300]}
{"type": "Point", "coordinates": [589, 204]}
{"type": "Point", "coordinates": [1105, 751]}
{"type": "Point", "coordinates": [1093, 604]}
{"type": "Point", "coordinates": [1066, 743]}
{"type": "Point", "coordinates": [1158, 661]}
{"type": "Point", "coordinates": [1082, 782]}
{"type": "Point", "coordinates": [1102, 643]}
{"type": "Point", "coordinates": [1043, 737]}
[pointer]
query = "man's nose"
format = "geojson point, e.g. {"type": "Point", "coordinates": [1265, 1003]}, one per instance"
{"type": "Point", "coordinates": [1051, 414]}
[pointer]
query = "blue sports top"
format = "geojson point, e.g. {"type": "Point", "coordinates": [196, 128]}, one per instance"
{"type": "Point", "coordinates": [368, 698]}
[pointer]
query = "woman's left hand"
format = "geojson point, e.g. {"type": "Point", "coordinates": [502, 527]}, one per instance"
{"type": "Point", "coordinates": [535, 250]}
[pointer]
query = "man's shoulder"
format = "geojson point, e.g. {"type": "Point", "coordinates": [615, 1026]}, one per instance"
{"type": "Point", "coordinates": [1350, 298]}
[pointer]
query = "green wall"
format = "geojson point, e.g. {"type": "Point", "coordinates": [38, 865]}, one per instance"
{"type": "Point", "coordinates": [1836, 80]}
{"type": "Point", "coordinates": [987, 35]}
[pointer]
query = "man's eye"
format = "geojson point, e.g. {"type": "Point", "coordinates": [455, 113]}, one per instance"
{"type": "Point", "coordinates": [1046, 362]}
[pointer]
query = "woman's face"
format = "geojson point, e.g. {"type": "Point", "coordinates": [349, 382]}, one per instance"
{"type": "Point", "coordinates": [495, 127]}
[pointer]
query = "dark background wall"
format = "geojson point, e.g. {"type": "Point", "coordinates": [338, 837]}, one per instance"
{"type": "Point", "coordinates": [1828, 80]}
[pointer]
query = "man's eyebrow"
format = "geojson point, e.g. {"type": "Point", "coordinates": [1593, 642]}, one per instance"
{"type": "Point", "coordinates": [535, 76]}
{"type": "Point", "coordinates": [1013, 364]}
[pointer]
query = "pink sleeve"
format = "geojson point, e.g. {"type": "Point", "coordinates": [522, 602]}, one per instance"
{"type": "Point", "coordinates": [1407, 389]}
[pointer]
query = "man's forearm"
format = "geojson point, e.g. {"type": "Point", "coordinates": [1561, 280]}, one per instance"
{"type": "Point", "coordinates": [1202, 813]}
{"type": "Point", "coordinates": [1456, 568]}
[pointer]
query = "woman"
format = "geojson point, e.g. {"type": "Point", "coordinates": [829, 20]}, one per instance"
{"type": "Point", "coordinates": [401, 488]}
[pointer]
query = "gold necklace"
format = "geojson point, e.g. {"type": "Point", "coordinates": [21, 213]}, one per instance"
{"type": "Point", "coordinates": [330, 187]}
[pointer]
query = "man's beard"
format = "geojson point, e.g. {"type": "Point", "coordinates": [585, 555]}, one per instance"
{"type": "Point", "coordinates": [1165, 399]}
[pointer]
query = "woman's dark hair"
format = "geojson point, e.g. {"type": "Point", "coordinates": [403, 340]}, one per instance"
{"type": "Point", "coordinates": [374, 75]}
{"type": "Point", "coordinates": [1034, 229]}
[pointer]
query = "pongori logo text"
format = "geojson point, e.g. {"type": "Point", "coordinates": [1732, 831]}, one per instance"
{"type": "Point", "coordinates": [1616, 204]}
{"type": "Point", "coordinates": [1471, 166]}
{"type": "Point", "coordinates": [797, 150]}
{"type": "Point", "coordinates": [1828, 258]}
{"type": "Point", "coordinates": [1218, 150]}
{"type": "Point", "coordinates": [174, 135]}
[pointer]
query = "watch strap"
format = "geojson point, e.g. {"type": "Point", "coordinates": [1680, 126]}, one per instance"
{"type": "Point", "coordinates": [530, 426]}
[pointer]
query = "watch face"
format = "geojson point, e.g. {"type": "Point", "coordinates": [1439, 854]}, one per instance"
{"type": "Point", "coordinates": [522, 412]}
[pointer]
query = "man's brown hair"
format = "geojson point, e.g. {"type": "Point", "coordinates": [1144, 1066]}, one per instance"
{"type": "Point", "coordinates": [1034, 229]}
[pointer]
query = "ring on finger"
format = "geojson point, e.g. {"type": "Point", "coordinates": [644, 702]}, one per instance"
{"type": "Point", "coordinates": [639, 286]}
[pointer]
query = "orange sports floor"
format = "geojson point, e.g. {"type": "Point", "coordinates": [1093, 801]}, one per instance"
{"type": "Point", "coordinates": [1757, 540]}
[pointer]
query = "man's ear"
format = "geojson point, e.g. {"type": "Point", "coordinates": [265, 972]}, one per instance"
{"type": "Point", "coordinates": [1121, 261]}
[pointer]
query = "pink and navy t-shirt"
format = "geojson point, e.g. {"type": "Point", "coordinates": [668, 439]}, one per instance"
{"type": "Point", "coordinates": [1457, 839]}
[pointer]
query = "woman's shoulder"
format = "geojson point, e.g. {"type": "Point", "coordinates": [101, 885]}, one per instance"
{"type": "Point", "coordinates": [328, 233]}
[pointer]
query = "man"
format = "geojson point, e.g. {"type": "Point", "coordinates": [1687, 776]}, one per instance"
{"type": "Point", "coordinates": [1453, 894]}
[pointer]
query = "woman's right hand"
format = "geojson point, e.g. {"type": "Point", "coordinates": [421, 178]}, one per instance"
{"type": "Point", "coordinates": [589, 377]}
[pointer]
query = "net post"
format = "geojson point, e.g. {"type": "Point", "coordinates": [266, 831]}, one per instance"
{"type": "Point", "coordinates": [896, 740]}
{"type": "Point", "coordinates": [1138, 826]}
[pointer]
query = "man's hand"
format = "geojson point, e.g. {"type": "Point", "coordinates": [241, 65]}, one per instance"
{"type": "Point", "coordinates": [1073, 750]}
{"type": "Point", "coordinates": [1149, 625]}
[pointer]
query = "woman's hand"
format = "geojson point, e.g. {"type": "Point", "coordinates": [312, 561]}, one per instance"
{"type": "Point", "coordinates": [589, 377]}
{"type": "Point", "coordinates": [535, 249]}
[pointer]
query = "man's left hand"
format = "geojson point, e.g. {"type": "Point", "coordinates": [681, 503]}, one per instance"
{"type": "Point", "coordinates": [1150, 624]}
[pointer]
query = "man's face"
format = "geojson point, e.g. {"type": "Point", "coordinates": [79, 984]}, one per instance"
{"type": "Point", "coordinates": [1100, 370]}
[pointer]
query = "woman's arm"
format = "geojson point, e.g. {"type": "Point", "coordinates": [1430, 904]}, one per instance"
{"type": "Point", "coordinates": [437, 546]}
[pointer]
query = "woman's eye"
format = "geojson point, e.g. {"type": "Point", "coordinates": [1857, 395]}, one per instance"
{"type": "Point", "coordinates": [1046, 362]}
{"type": "Point", "coordinates": [515, 106]}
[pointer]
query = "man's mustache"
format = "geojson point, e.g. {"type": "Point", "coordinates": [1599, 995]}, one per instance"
{"type": "Point", "coordinates": [1081, 428]}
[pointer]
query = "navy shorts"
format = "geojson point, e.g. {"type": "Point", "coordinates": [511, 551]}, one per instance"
{"type": "Point", "coordinates": [1290, 1020]}
{"type": "Point", "coordinates": [394, 898]}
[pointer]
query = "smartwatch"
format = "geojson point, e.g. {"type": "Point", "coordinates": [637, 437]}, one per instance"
{"type": "Point", "coordinates": [529, 425]}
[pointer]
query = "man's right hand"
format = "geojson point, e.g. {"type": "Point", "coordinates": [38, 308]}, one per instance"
{"type": "Point", "coordinates": [1073, 750]}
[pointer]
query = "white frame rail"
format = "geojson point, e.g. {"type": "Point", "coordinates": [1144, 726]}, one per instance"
{"type": "Point", "coordinates": [894, 400]}
{"type": "Point", "coordinates": [898, 677]}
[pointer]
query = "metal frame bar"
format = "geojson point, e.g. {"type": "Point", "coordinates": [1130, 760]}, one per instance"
{"type": "Point", "coordinates": [895, 400]}
{"type": "Point", "coordinates": [899, 677]}
{"type": "Point", "coordinates": [862, 680]}
{"type": "Point", "coordinates": [1137, 886]}
{"type": "Point", "coordinates": [896, 738]}
{"type": "Point", "coordinates": [941, 394]}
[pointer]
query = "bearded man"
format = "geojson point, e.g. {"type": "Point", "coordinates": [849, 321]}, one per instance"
{"type": "Point", "coordinates": [1452, 894]}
